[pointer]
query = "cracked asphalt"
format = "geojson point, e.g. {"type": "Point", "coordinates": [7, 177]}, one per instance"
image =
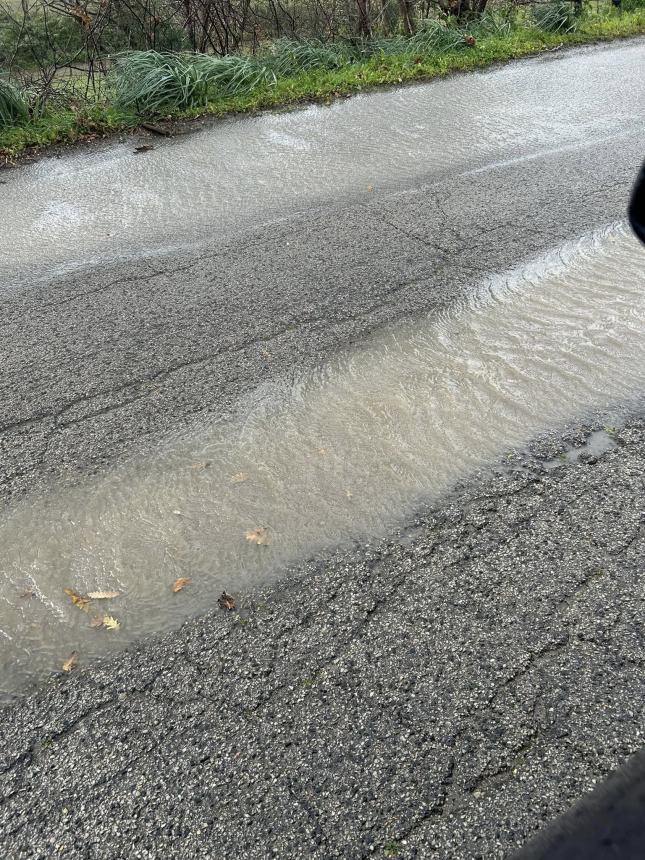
{"type": "Point", "coordinates": [439, 693]}
{"type": "Point", "coordinates": [442, 691]}
{"type": "Point", "coordinates": [102, 362]}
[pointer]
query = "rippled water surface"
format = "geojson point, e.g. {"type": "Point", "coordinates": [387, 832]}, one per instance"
{"type": "Point", "coordinates": [95, 204]}
{"type": "Point", "coordinates": [346, 454]}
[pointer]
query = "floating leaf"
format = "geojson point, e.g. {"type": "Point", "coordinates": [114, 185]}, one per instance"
{"type": "Point", "coordinates": [201, 466]}
{"type": "Point", "coordinates": [260, 536]}
{"type": "Point", "coordinates": [178, 584]}
{"type": "Point", "coordinates": [102, 595]}
{"type": "Point", "coordinates": [110, 622]}
{"type": "Point", "coordinates": [239, 478]}
{"type": "Point", "coordinates": [69, 664]}
{"type": "Point", "coordinates": [77, 599]}
{"type": "Point", "coordinates": [226, 601]}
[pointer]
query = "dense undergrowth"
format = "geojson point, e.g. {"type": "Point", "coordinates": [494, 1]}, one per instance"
{"type": "Point", "coordinates": [151, 84]}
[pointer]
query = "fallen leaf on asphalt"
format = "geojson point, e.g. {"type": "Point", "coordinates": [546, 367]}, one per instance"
{"type": "Point", "coordinates": [239, 478]}
{"type": "Point", "coordinates": [102, 595]}
{"type": "Point", "coordinates": [178, 584]}
{"type": "Point", "coordinates": [370, 188]}
{"type": "Point", "coordinates": [349, 494]}
{"type": "Point", "coordinates": [28, 592]}
{"type": "Point", "coordinates": [69, 664]}
{"type": "Point", "coordinates": [226, 601]}
{"type": "Point", "coordinates": [77, 599]}
{"type": "Point", "coordinates": [97, 621]}
{"type": "Point", "coordinates": [146, 147]}
{"type": "Point", "coordinates": [322, 452]}
{"type": "Point", "coordinates": [260, 536]}
{"type": "Point", "coordinates": [110, 622]}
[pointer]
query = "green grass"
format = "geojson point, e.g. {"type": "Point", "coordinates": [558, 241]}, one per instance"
{"type": "Point", "coordinates": [13, 106]}
{"type": "Point", "coordinates": [233, 87]}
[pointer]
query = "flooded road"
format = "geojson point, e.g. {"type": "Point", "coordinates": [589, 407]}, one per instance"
{"type": "Point", "coordinates": [345, 454]}
{"type": "Point", "coordinates": [95, 205]}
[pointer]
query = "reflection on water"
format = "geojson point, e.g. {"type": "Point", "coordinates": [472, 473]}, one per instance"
{"type": "Point", "coordinates": [347, 453]}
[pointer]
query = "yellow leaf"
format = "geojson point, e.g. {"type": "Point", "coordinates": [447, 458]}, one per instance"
{"type": "Point", "coordinates": [260, 536]}
{"type": "Point", "coordinates": [69, 664]}
{"type": "Point", "coordinates": [77, 599]}
{"type": "Point", "coordinates": [110, 623]}
{"type": "Point", "coordinates": [178, 584]}
{"type": "Point", "coordinates": [239, 478]}
{"type": "Point", "coordinates": [226, 601]}
{"type": "Point", "coordinates": [102, 595]}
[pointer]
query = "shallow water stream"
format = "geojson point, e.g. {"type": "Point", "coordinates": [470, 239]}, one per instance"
{"type": "Point", "coordinates": [344, 454]}
{"type": "Point", "coordinates": [113, 202]}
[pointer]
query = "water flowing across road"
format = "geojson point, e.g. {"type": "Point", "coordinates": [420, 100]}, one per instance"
{"type": "Point", "coordinates": [94, 205]}
{"type": "Point", "coordinates": [348, 451]}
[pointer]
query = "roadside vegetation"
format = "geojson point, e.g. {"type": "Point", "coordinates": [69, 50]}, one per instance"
{"type": "Point", "coordinates": [73, 69]}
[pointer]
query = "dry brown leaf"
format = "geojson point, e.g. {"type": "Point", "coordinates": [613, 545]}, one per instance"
{"type": "Point", "coordinates": [97, 621]}
{"type": "Point", "coordinates": [102, 595]}
{"type": "Point", "coordinates": [77, 599]}
{"type": "Point", "coordinates": [260, 536]}
{"type": "Point", "coordinates": [226, 601]}
{"type": "Point", "coordinates": [146, 147]}
{"type": "Point", "coordinates": [178, 584]}
{"type": "Point", "coordinates": [322, 452]}
{"type": "Point", "coordinates": [110, 622]}
{"type": "Point", "coordinates": [28, 592]}
{"type": "Point", "coordinates": [370, 188]}
{"type": "Point", "coordinates": [69, 664]}
{"type": "Point", "coordinates": [239, 477]}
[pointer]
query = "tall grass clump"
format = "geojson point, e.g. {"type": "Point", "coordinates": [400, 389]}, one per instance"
{"type": "Point", "coordinates": [233, 74]}
{"type": "Point", "coordinates": [151, 81]}
{"type": "Point", "coordinates": [13, 106]}
{"type": "Point", "coordinates": [289, 56]}
{"type": "Point", "coordinates": [556, 17]}
{"type": "Point", "coordinates": [495, 22]}
{"type": "Point", "coordinates": [431, 37]}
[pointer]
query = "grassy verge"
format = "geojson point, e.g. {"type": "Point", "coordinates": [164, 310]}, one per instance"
{"type": "Point", "coordinates": [102, 119]}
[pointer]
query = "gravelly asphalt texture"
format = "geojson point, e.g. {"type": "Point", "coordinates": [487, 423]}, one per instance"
{"type": "Point", "coordinates": [441, 692]}
{"type": "Point", "coordinates": [98, 364]}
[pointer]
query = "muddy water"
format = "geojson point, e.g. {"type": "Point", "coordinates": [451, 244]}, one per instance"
{"type": "Point", "coordinates": [93, 205]}
{"type": "Point", "coordinates": [345, 454]}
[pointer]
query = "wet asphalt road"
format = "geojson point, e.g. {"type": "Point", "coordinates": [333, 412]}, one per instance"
{"type": "Point", "coordinates": [439, 693]}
